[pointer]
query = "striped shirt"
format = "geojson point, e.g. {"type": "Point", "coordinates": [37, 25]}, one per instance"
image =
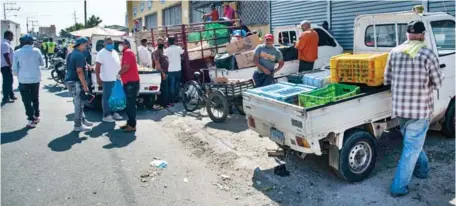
{"type": "Point", "coordinates": [412, 82]}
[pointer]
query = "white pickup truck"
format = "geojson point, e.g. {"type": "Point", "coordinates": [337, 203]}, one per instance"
{"type": "Point", "coordinates": [150, 79]}
{"type": "Point", "coordinates": [348, 129]}
{"type": "Point", "coordinates": [287, 36]}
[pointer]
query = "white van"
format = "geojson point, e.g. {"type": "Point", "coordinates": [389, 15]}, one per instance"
{"type": "Point", "coordinates": [150, 79]}
{"type": "Point", "coordinates": [287, 36]}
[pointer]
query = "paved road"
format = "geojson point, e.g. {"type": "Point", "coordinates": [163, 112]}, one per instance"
{"type": "Point", "coordinates": [50, 165]}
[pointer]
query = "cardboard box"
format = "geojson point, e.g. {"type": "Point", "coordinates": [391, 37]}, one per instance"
{"type": "Point", "coordinates": [244, 44]}
{"type": "Point", "coordinates": [245, 59]}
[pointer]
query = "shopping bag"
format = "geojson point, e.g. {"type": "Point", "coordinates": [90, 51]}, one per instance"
{"type": "Point", "coordinates": [117, 101]}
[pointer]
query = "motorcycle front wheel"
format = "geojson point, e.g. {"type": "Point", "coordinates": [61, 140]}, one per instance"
{"type": "Point", "coordinates": [55, 76]}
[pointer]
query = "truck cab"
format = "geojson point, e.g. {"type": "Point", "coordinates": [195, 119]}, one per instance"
{"type": "Point", "coordinates": [327, 45]}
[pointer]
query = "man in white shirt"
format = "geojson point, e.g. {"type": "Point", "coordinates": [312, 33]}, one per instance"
{"type": "Point", "coordinates": [145, 57]}
{"type": "Point", "coordinates": [106, 69]}
{"type": "Point", "coordinates": [174, 52]}
{"type": "Point", "coordinates": [7, 63]}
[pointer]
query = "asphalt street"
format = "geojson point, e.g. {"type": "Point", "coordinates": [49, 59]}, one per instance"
{"type": "Point", "coordinates": [208, 163]}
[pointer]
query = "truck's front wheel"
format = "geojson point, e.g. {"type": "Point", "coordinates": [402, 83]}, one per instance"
{"type": "Point", "coordinates": [357, 156]}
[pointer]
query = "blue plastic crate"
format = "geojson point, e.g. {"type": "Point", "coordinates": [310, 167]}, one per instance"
{"type": "Point", "coordinates": [318, 79]}
{"type": "Point", "coordinates": [269, 88]}
{"type": "Point", "coordinates": [289, 95]}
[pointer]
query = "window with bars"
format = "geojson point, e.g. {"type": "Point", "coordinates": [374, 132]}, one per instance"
{"type": "Point", "coordinates": [172, 15]}
{"type": "Point", "coordinates": [253, 12]}
{"type": "Point", "coordinates": [151, 21]}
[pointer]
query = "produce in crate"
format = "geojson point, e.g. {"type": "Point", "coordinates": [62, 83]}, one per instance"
{"type": "Point", "coordinates": [358, 68]}
{"type": "Point", "coordinates": [330, 93]}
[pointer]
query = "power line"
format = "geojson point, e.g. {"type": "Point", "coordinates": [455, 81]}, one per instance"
{"type": "Point", "coordinates": [9, 6]}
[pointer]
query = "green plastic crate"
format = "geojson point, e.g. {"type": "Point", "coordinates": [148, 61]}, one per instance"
{"type": "Point", "coordinates": [330, 93]}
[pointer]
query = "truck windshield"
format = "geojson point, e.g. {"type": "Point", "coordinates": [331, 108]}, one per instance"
{"type": "Point", "coordinates": [444, 36]}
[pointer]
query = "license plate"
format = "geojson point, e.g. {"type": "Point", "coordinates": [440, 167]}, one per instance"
{"type": "Point", "coordinates": [61, 68]}
{"type": "Point", "coordinates": [277, 136]}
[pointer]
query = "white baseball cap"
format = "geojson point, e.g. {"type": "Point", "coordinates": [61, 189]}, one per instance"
{"type": "Point", "coordinates": [304, 22]}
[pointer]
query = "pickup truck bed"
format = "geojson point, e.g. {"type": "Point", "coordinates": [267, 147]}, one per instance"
{"type": "Point", "coordinates": [267, 116]}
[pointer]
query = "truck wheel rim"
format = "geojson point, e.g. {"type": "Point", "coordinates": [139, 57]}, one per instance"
{"type": "Point", "coordinates": [360, 157]}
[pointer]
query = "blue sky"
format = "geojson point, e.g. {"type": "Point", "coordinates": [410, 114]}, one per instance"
{"type": "Point", "coordinates": [60, 12]}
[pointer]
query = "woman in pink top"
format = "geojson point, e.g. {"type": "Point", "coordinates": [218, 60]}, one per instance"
{"type": "Point", "coordinates": [228, 12]}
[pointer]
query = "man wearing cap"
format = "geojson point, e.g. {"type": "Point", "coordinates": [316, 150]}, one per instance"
{"type": "Point", "coordinates": [26, 66]}
{"type": "Point", "coordinates": [307, 47]}
{"type": "Point", "coordinates": [265, 57]}
{"type": "Point", "coordinates": [130, 79]}
{"type": "Point", "coordinates": [413, 72]}
{"type": "Point", "coordinates": [77, 83]}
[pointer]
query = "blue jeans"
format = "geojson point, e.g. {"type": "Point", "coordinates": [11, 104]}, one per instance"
{"type": "Point", "coordinates": [75, 88]}
{"type": "Point", "coordinates": [174, 79]}
{"type": "Point", "coordinates": [107, 90]}
{"type": "Point", "coordinates": [413, 159]}
{"type": "Point", "coordinates": [262, 79]}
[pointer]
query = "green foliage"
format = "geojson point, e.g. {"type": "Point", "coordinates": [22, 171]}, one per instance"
{"type": "Point", "coordinates": [91, 22]}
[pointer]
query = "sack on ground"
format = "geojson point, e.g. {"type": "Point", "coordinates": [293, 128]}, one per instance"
{"type": "Point", "coordinates": [117, 101]}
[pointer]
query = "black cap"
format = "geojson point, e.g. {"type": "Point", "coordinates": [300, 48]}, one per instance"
{"type": "Point", "coordinates": [416, 27]}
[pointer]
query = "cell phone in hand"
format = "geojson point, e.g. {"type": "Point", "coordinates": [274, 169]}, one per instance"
{"type": "Point", "coordinates": [87, 96]}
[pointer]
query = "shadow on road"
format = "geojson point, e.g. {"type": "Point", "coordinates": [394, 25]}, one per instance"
{"type": "Point", "coordinates": [234, 123]}
{"type": "Point", "coordinates": [65, 142]}
{"type": "Point", "coordinates": [119, 139]}
{"type": "Point", "coordinates": [101, 129]}
{"type": "Point", "coordinates": [8, 137]}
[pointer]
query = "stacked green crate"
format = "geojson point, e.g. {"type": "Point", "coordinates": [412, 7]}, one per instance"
{"type": "Point", "coordinates": [330, 93]}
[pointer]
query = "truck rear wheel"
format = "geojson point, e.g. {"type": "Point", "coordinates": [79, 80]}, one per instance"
{"type": "Point", "coordinates": [358, 155]}
{"type": "Point", "coordinates": [448, 124]}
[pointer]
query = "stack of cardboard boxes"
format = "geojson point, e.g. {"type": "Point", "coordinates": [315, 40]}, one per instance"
{"type": "Point", "coordinates": [244, 50]}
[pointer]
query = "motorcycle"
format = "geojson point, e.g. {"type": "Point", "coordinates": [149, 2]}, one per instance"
{"type": "Point", "coordinates": [58, 70]}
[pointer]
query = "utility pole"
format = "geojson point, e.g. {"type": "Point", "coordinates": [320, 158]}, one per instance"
{"type": "Point", "coordinates": [30, 20]}
{"type": "Point", "coordinates": [85, 13]}
{"type": "Point", "coordinates": [11, 7]}
{"type": "Point", "coordinates": [75, 18]}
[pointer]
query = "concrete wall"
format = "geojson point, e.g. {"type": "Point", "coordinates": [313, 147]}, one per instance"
{"type": "Point", "coordinates": [157, 7]}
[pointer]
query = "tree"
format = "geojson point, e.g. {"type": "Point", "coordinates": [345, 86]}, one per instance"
{"type": "Point", "coordinates": [93, 21]}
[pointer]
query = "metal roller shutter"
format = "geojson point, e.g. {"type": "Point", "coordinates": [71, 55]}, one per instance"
{"type": "Point", "coordinates": [343, 14]}
{"type": "Point", "coordinates": [286, 13]}
{"type": "Point", "coordinates": [444, 6]}
{"type": "Point", "coordinates": [172, 15]}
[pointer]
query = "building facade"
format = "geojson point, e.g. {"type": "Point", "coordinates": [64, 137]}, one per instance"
{"type": "Point", "coordinates": [341, 14]}
{"type": "Point", "coordinates": [50, 31]}
{"type": "Point", "coordinates": [151, 14]}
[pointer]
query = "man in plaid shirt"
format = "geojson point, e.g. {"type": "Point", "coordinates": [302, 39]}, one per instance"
{"type": "Point", "coordinates": [413, 72]}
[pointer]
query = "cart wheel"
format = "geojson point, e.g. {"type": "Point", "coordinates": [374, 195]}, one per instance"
{"type": "Point", "coordinates": [191, 96]}
{"type": "Point", "coordinates": [217, 106]}
{"type": "Point", "coordinates": [358, 155]}
{"type": "Point", "coordinates": [240, 109]}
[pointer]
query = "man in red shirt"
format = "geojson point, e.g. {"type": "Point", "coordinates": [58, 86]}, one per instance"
{"type": "Point", "coordinates": [213, 14]}
{"type": "Point", "coordinates": [130, 79]}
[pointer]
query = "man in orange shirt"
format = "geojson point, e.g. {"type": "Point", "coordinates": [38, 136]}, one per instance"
{"type": "Point", "coordinates": [213, 14]}
{"type": "Point", "coordinates": [307, 47]}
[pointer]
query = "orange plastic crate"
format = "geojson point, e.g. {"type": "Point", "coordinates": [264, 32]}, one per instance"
{"type": "Point", "coordinates": [358, 68]}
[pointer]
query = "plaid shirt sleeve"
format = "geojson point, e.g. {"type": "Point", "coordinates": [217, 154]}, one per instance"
{"type": "Point", "coordinates": [435, 74]}
{"type": "Point", "coordinates": [388, 70]}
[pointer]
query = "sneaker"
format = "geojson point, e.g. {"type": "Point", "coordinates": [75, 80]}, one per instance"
{"type": "Point", "coordinates": [82, 128]}
{"type": "Point", "coordinates": [108, 119]}
{"type": "Point", "coordinates": [31, 124]}
{"type": "Point", "coordinates": [13, 98]}
{"type": "Point", "coordinates": [117, 116]}
{"type": "Point", "coordinates": [129, 129]}
{"type": "Point", "coordinates": [37, 120]}
{"type": "Point", "coordinates": [87, 123]}
{"type": "Point", "coordinates": [124, 126]}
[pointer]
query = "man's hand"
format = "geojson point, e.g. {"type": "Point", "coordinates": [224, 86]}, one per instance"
{"type": "Point", "coordinates": [99, 82]}
{"type": "Point", "coordinates": [163, 75]}
{"type": "Point", "coordinates": [266, 71]}
{"type": "Point", "coordinates": [86, 89]}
